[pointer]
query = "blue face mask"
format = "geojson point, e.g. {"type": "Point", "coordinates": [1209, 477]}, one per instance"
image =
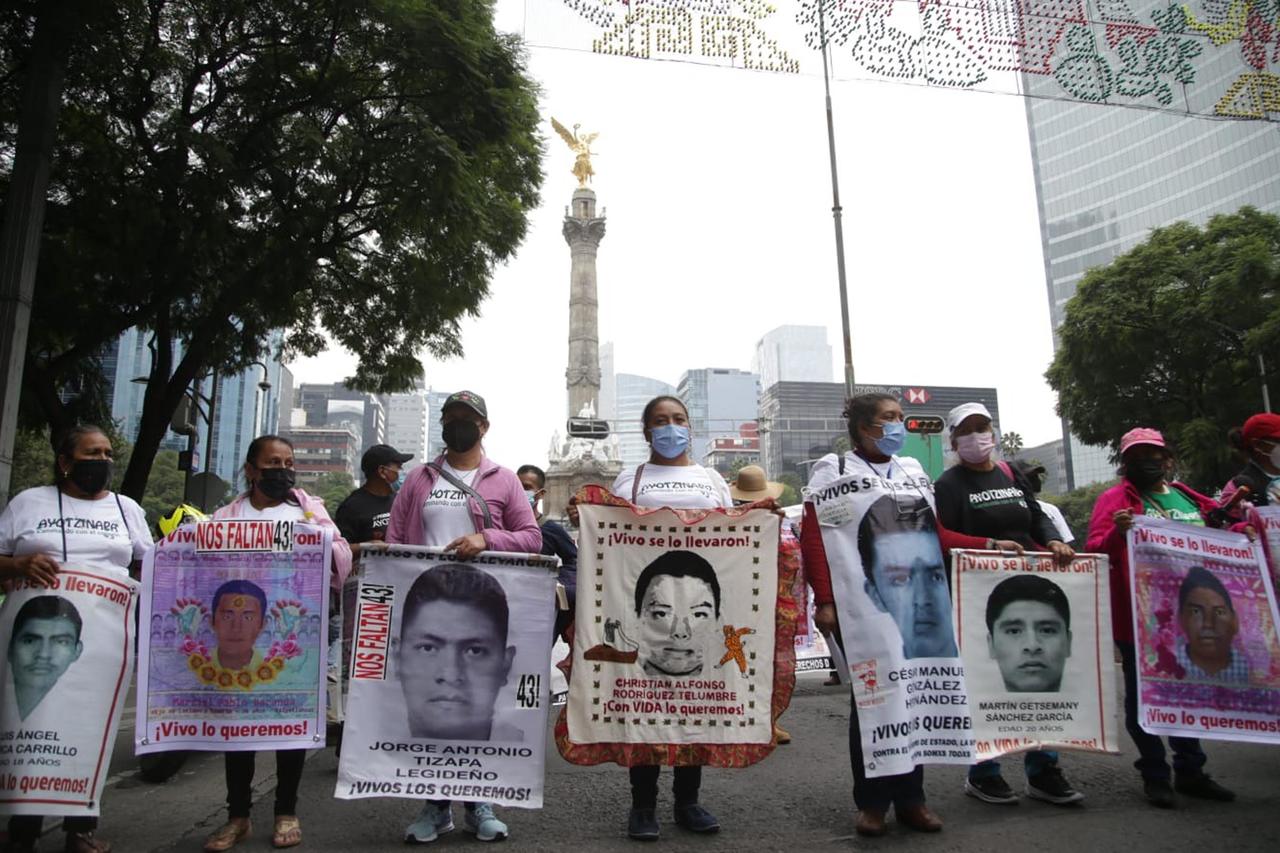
{"type": "Point", "coordinates": [895, 436]}
{"type": "Point", "coordinates": [399, 481]}
{"type": "Point", "coordinates": [670, 440]}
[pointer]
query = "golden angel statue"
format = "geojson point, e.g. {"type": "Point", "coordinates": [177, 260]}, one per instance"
{"type": "Point", "coordinates": [581, 147]}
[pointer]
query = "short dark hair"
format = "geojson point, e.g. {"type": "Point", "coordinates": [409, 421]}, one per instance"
{"type": "Point", "coordinates": [241, 587]}
{"type": "Point", "coordinates": [860, 410]}
{"type": "Point", "coordinates": [461, 585]}
{"type": "Point", "coordinates": [653, 404]}
{"type": "Point", "coordinates": [1201, 578]}
{"type": "Point", "coordinates": [66, 442]}
{"type": "Point", "coordinates": [48, 607]}
{"type": "Point", "coordinates": [535, 471]}
{"type": "Point", "coordinates": [891, 514]}
{"type": "Point", "coordinates": [678, 564]}
{"type": "Point", "coordinates": [1027, 588]}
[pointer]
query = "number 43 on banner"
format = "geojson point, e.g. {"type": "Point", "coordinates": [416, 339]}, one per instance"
{"type": "Point", "coordinates": [529, 691]}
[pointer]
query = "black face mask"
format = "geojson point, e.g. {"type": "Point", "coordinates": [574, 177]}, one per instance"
{"type": "Point", "coordinates": [91, 475]}
{"type": "Point", "coordinates": [275, 483]}
{"type": "Point", "coordinates": [1146, 473]}
{"type": "Point", "coordinates": [460, 436]}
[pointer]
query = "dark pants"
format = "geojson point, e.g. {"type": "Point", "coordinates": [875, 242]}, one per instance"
{"type": "Point", "coordinates": [240, 781]}
{"type": "Point", "coordinates": [1033, 762]}
{"type": "Point", "coordinates": [1188, 757]}
{"type": "Point", "coordinates": [644, 785]}
{"type": "Point", "coordinates": [25, 828]}
{"type": "Point", "coordinates": [901, 791]}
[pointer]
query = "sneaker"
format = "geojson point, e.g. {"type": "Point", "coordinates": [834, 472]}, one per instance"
{"type": "Point", "coordinates": [642, 824]}
{"type": "Point", "coordinates": [1050, 786]}
{"type": "Point", "coordinates": [484, 824]}
{"type": "Point", "coordinates": [991, 789]}
{"type": "Point", "coordinates": [1159, 793]}
{"type": "Point", "coordinates": [432, 822]}
{"type": "Point", "coordinates": [1202, 786]}
{"type": "Point", "coordinates": [695, 818]}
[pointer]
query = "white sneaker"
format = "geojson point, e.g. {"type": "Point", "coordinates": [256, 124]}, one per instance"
{"type": "Point", "coordinates": [432, 822]}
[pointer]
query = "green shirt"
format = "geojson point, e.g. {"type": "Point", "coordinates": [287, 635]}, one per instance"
{"type": "Point", "coordinates": [1173, 505]}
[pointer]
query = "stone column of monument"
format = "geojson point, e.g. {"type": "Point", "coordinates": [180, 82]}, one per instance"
{"type": "Point", "coordinates": [583, 231]}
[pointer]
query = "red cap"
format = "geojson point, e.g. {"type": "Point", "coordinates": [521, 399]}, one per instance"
{"type": "Point", "coordinates": [1141, 435]}
{"type": "Point", "coordinates": [1266, 426]}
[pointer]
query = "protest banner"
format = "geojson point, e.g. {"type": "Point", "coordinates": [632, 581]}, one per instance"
{"type": "Point", "coordinates": [448, 696]}
{"type": "Point", "coordinates": [65, 675]}
{"type": "Point", "coordinates": [1204, 614]}
{"type": "Point", "coordinates": [233, 656]}
{"type": "Point", "coordinates": [682, 653]}
{"type": "Point", "coordinates": [895, 615]}
{"type": "Point", "coordinates": [1266, 519]}
{"type": "Point", "coordinates": [1039, 661]}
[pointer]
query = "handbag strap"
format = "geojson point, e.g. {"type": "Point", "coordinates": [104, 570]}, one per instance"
{"type": "Point", "coordinates": [635, 483]}
{"type": "Point", "coordinates": [467, 490]}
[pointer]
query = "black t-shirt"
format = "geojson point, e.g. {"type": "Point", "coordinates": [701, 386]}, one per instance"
{"type": "Point", "coordinates": [988, 503]}
{"type": "Point", "coordinates": [364, 516]}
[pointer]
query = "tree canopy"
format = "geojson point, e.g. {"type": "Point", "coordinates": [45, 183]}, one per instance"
{"type": "Point", "coordinates": [225, 168]}
{"type": "Point", "coordinates": [1168, 336]}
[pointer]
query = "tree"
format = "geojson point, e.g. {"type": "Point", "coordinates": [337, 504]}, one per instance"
{"type": "Point", "coordinates": [792, 488]}
{"type": "Point", "coordinates": [333, 486]}
{"type": "Point", "coordinates": [225, 168]}
{"type": "Point", "coordinates": [1168, 335]}
{"type": "Point", "coordinates": [1077, 507]}
{"type": "Point", "coordinates": [1010, 445]}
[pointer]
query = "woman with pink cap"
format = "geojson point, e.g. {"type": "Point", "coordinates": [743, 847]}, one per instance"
{"type": "Point", "coordinates": [1144, 489]}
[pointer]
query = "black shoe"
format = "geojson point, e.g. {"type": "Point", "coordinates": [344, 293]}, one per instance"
{"type": "Point", "coordinates": [1202, 786]}
{"type": "Point", "coordinates": [695, 818]}
{"type": "Point", "coordinates": [1050, 786]}
{"type": "Point", "coordinates": [1159, 793]}
{"type": "Point", "coordinates": [642, 824]}
{"type": "Point", "coordinates": [991, 789]}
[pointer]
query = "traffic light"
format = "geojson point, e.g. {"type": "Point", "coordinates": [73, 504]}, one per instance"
{"type": "Point", "coordinates": [924, 426]}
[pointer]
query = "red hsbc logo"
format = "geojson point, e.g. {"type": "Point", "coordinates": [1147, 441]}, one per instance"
{"type": "Point", "coordinates": [918, 395]}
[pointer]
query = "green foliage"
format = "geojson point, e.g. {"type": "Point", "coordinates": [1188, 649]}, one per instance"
{"type": "Point", "coordinates": [790, 494]}
{"type": "Point", "coordinates": [1168, 335]}
{"type": "Point", "coordinates": [1077, 507]}
{"type": "Point", "coordinates": [333, 486]}
{"type": "Point", "coordinates": [32, 460]}
{"type": "Point", "coordinates": [225, 168]}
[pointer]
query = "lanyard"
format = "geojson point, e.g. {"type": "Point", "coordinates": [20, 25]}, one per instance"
{"type": "Point", "coordinates": [62, 521]}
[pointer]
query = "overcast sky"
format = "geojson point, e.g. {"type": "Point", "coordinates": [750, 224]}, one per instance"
{"type": "Point", "coordinates": [717, 190]}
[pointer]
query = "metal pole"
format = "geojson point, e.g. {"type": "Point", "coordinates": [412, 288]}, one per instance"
{"type": "Point", "coordinates": [1262, 374]}
{"type": "Point", "coordinates": [836, 209]}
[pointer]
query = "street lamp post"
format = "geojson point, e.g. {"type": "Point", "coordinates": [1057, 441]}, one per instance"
{"type": "Point", "coordinates": [836, 210]}
{"type": "Point", "coordinates": [260, 400]}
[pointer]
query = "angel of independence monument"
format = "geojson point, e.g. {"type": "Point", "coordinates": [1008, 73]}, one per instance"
{"type": "Point", "coordinates": [588, 453]}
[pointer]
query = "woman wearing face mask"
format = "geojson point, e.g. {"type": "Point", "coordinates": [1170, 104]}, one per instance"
{"type": "Point", "coordinates": [1145, 464]}
{"type": "Point", "coordinates": [877, 434]}
{"type": "Point", "coordinates": [982, 497]}
{"type": "Point", "coordinates": [1258, 441]}
{"type": "Point", "coordinates": [78, 521]}
{"type": "Point", "coordinates": [268, 469]}
{"type": "Point", "coordinates": [669, 479]}
{"type": "Point", "coordinates": [466, 503]}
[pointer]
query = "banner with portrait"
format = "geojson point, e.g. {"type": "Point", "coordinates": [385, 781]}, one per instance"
{"type": "Point", "coordinates": [63, 683]}
{"type": "Point", "coordinates": [1035, 638]}
{"type": "Point", "coordinates": [234, 637]}
{"type": "Point", "coordinates": [681, 653]}
{"type": "Point", "coordinates": [1204, 620]}
{"type": "Point", "coordinates": [449, 689]}
{"type": "Point", "coordinates": [895, 617]}
{"type": "Point", "coordinates": [1267, 521]}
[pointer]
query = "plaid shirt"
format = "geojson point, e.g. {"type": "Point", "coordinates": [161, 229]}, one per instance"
{"type": "Point", "coordinates": [1235, 672]}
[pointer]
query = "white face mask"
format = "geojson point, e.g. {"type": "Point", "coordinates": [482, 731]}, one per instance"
{"type": "Point", "coordinates": [1275, 456]}
{"type": "Point", "coordinates": [976, 447]}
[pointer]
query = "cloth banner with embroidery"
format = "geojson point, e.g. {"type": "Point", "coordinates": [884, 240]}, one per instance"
{"type": "Point", "coordinates": [234, 636]}
{"type": "Point", "coordinates": [683, 650]}
{"type": "Point", "coordinates": [1204, 614]}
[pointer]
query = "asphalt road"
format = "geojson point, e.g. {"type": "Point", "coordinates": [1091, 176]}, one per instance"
{"type": "Point", "coordinates": [799, 798]}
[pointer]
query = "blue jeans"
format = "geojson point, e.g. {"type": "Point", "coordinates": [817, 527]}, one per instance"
{"type": "Point", "coordinates": [1188, 757]}
{"type": "Point", "coordinates": [1033, 762]}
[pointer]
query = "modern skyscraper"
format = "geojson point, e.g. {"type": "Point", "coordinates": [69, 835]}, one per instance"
{"type": "Point", "coordinates": [435, 442]}
{"type": "Point", "coordinates": [632, 394]}
{"type": "Point", "coordinates": [720, 400]}
{"type": "Point", "coordinates": [330, 404]}
{"type": "Point", "coordinates": [793, 354]}
{"type": "Point", "coordinates": [407, 425]}
{"type": "Point", "coordinates": [1106, 175]}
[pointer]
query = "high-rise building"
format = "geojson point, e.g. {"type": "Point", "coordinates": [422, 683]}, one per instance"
{"type": "Point", "coordinates": [331, 404]}
{"type": "Point", "coordinates": [287, 399]}
{"type": "Point", "coordinates": [800, 422]}
{"type": "Point", "coordinates": [1052, 455]}
{"type": "Point", "coordinates": [726, 453]}
{"type": "Point", "coordinates": [407, 425]}
{"type": "Point", "coordinates": [435, 442]}
{"type": "Point", "coordinates": [720, 400]}
{"type": "Point", "coordinates": [793, 354]}
{"type": "Point", "coordinates": [608, 389]}
{"type": "Point", "coordinates": [1105, 176]}
{"type": "Point", "coordinates": [632, 394]}
{"type": "Point", "coordinates": [325, 450]}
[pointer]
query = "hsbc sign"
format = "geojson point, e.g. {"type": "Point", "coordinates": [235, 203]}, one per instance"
{"type": "Point", "coordinates": [918, 395]}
